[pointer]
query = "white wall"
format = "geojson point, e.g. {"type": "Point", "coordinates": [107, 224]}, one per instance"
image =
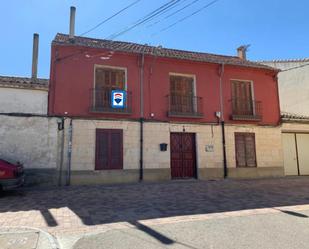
{"type": "Point", "coordinates": [293, 86]}
{"type": "Point", "coordinates": [30, 140]}
{"type": "Point", "coordinates": [17, 100]}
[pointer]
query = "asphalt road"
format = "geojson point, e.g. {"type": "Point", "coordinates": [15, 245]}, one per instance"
{"type": "Point", "coordinates": [283, 230]}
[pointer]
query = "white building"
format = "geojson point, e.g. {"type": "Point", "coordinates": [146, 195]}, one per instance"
{"type": "Point", "coordinates": [27, 135]}
{"type": "Point", "coordinates": [294, 102]}
{"type": "Point", "coordinates": [293, 85]}
{"type": "Point", "coordinates": [21, 95]}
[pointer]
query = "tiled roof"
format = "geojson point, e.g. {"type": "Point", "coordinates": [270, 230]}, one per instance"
{"type": "Point", "coordinates": [62, 39]}
{"type": "Point", "coordinates": [285, 61]}
{"type": "Point", "coordinates": [23, 82]}
{"type": "Point", "coordinates": [291, 116]}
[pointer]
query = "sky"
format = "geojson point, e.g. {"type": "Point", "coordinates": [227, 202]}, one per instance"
{"type": "Point", "coordinates": [275, 29]}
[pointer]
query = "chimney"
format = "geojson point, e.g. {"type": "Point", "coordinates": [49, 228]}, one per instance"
{"type": "Point", "coordinates": [35, 54]}
{"type": "Point", "coordinates": [242, 51]}
{"type": "Point", "coordinates": [72, 22]}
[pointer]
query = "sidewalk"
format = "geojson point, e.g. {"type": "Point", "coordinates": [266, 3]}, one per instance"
{"type": "Point", "coordinates": [26, 238]}
{"type": "Point", "coordinates": [87, 209]}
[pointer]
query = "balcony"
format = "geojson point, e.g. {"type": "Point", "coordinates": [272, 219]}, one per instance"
{"type": "Point", "coordinates": [100, 102]}
{"type": "Point", "coordinates": [185, 106]}
{"type": "Point", "coordinates": [244, 109]}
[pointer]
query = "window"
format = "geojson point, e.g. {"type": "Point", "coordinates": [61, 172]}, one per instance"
{"type": "Point", "coordinates": [242, 99]}
{"type": "Point", "coordinates": [182, 94]}
{"type": "Point", "coordinates": [245, 150]}
{"type": "Point", "coordinates": [109, 149]}
{"type": "Point", "coordinates": [111, 78]}
{"type": "Point", "coordinates": [106, 80]}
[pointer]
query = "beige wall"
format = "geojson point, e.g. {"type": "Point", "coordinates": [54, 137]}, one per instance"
{"type": "Point", "coordinates": [83, 154]}
{"type": "Point", "coordinates": [268, 144]}
{"type": "Point", "coordinates": [295, 127]}
{"type": "Point", "coordinates": [156, 133]}
{"type": "Point", "coordinates": [15, 100]}
{"type": "Point", "coordinates": [83, 143]}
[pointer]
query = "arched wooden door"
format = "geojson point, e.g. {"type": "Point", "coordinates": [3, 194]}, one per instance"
{"type": "Point", "coordinates": [183, 155]}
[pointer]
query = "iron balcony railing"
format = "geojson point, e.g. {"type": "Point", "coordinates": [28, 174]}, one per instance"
{"type": "Point", "coordinates": [244, 109]}
{"type": "Point", "coordinates": [100, 101]}
{"type": "Point", "coordinates": [185, 106]}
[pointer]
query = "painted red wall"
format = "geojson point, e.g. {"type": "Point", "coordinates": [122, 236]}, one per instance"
{"type": "Point", "coordinates": [72, 77]}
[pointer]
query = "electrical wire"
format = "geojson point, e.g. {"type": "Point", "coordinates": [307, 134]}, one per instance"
{"type": "Point", "coordinates": [109, 18]}
{"type": "Point", "coordinates": [178, 3]}
{"type": "Point", "coordinates": [188, 16]}
{"type": "Point", "coordinates": [174, 13]}
{"type": "Point", "coordinates": [148, 17]}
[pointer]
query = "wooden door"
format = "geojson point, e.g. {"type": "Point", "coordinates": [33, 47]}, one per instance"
{"type": "Point", "coordinates": [109, 149]}
{"type": "Point", "coordinates": [242, 98]}
{"type": "Point", "coordinates": [245, 149]}
{"type": "Point", "coordinates": [183, 156]}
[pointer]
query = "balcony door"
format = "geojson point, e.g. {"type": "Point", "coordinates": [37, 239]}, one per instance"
{"type": "Point", "coordinates": [182, 94]}
{"type": "Point", "coordinates": [242, 98]}
{"type": "Point", "coordinates": [106, 80]}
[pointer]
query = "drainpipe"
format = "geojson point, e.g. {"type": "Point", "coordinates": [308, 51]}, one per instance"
{"type": "Point", "coordinates": [141, 172]}
{"type": "Point", "coordinates": [62, 152]}
{"type": "Point", "coordinates": [278, 97]}
{"type": "Point", "coordinates": [222, 121]}
{"type": "Point", "coordinates": [68, 180]}
{"type": "Point", "coordinates": [224, 150]}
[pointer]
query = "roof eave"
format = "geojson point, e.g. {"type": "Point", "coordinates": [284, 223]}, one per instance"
{"type": "Point", "coordinates": [54, 42]}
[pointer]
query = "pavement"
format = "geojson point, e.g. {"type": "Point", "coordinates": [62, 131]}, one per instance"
{"type": "Point", "coordinates": [267, 231]}
{"type": "Point", "coordinates": [176, 214]}
{"type": "Point", "coordinates": [26, 238]}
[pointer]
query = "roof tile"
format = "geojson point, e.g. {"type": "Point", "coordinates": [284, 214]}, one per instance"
{"type": "Point", "coordinates": [23, 82]}
{"type": "Point", "coordinates": [62, 39]}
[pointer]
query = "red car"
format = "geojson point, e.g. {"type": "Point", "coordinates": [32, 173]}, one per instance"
{"type": "Point", "coordinates": [11, 175]}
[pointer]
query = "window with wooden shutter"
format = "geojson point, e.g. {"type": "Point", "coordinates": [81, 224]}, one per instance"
{"type": "Point", "coordinates": [242, 98]}
{"type": "Point", "coordinates": [245, 150]}
{"type": "Point", "coordinates": [182, 95]}
{"type": "Point", "coordinates": [109, 149]}
{"type": "Point", "coordinates": [106, 80]}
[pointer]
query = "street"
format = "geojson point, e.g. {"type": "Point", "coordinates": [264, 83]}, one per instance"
{"type": "Point", "coordinates": [277, 230]}
{"type": "Point", "coordinates": [265, 213]}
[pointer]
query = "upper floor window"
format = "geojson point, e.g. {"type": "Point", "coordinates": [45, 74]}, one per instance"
{"type": "Point", "coordinates": [182, 99]}
{"type": "Point", "coordinates": [243, 104]}
{"type": "Point", "coordinates": [108, 79]}
{"type": "Point", "coordinates": [181, 85]}
{"type": "Point", "coordinates": [242, 97]}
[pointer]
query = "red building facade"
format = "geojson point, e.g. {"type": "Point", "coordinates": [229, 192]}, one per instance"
{"type": "Point", "coordinates": [185, 101]}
